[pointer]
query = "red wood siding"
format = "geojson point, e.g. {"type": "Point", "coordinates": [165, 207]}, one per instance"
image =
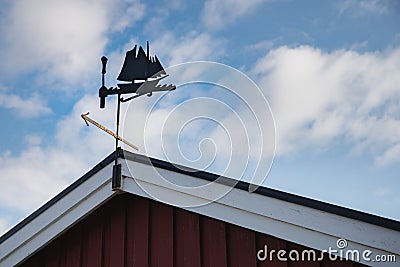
{"type": "Point", "coordinates": [134, 231]}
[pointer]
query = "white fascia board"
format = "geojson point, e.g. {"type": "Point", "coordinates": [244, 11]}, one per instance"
{"type": "Point", "coordinates": [59, 217]}
{"type": "Point", "coordinates": [289, 221]}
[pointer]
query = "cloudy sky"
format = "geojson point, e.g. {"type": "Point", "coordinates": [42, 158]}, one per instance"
{"type": "Point", "coordinates": [330, 72]}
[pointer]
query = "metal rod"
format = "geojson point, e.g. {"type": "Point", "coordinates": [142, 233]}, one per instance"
{"type": "Point", "coordinates": [117, 132]}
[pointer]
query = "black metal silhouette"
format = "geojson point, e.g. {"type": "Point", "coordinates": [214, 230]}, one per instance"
{"type": "Point", "coordinates": [142, 72]}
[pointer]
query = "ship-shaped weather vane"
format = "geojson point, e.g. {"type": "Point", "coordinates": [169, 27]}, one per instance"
{"type": "Point", "coordinates": [141, 74]}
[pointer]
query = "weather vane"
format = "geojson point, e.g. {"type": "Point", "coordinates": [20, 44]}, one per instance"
{"type": "Point", "coordinates": [141, 72]}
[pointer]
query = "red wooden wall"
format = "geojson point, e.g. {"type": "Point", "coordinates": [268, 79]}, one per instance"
{"type": "Point", "coordinates": [134, 231]}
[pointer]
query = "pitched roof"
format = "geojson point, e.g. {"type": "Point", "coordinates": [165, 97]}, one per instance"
{"type": "Point", "coordinates": [298, 219]}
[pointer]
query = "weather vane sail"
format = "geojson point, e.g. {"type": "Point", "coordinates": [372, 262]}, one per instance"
{"type": "Point", "coordinates": [141, 74]}
{"type": "Point", "coordinates": [131, 68]}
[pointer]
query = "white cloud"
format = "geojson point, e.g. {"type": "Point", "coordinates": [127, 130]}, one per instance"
{"type": "Point", "coordinates": [264, 45]}
{"type": "Point", "coordinates": [61, 40]}
{"type": "Point", "coordinates": [363, 7]}
{"type": "Point", "coordinates": [318, 98]}
{"type": "Point", "coordinates": [189, 47]}
{"type": "Point", "coordinates": [33, 140]}
{"type": "Point", "coordinates": [26, 108]}
{"type": "Point", "coordinates": [390, 156]}
{"type": "Point", "coordinates": [129, 12]}
{"type": "Point", "coordinates": [218, 13]}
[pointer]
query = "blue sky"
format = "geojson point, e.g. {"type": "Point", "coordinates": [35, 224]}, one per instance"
{"type": "Point", "coordinates": [329, 69]}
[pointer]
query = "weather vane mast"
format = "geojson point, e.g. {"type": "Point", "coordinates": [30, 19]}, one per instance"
{"type": "Point", "coordinates": [140, 75]}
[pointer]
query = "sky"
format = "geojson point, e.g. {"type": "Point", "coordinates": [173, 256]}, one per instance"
{"type": "Point", "coordinates": [328, 70]}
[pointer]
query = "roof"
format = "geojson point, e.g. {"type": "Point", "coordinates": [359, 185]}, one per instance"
{"type": "Point", "coordinates": [298, 219]}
